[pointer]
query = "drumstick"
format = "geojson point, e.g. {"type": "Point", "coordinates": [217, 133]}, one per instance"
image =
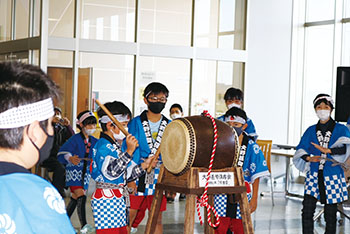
{"type": "Point", "coordinates": [115, 121]}
{"type": "Point", "coordinates": [156, 155]}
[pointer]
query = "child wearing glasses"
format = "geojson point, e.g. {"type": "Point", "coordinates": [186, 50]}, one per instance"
{"type": "Point", "coordinates": [148, 129]}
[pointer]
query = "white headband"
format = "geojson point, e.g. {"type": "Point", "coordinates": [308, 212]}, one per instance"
{"type": "Point", "coordinates": [84, 117]}
{"type": "Point", "coordinates": [324, 97]}
{"type": "Point", "coordinates": [120, 118]}
{"type": "Point", "coordinates": [236, 119]}
{"type": "Point", "coordinates": [23, 115]}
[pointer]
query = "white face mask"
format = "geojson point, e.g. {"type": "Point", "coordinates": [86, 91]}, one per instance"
{"type": "Point", "coordinates": [323, 114]}
{"type": "Point", "coordinates": [175, 116]}
{"type": "Point", "coordinates": [119, 136]}
{"type": "Point", "coordinates": [234, 105]}
{"type": "Point", "coordinates": [90, 131]}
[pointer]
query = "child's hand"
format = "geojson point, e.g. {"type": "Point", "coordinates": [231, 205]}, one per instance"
{"type": "Point", "coordinates": [148, 161]}
{"type": "Point", "coordinates": [313, 158]}
{"type": "Point", "coordinates": [131, 144]}
{"type": "Point", "coordinates": [133, 186]}
{"type": "Point", "coordinates": [253, 205]}
{"type": "Point", "coordinates": [322, 149]}
{"type": "Point", "coordinates": [75, 159]}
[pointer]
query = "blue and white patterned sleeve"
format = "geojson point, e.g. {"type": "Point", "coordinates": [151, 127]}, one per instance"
{"type": "Point", "coordinates": [258, 165]}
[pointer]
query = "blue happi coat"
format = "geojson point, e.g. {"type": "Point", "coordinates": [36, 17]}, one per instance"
{"type": "Point", "coordinates": [29, 204]}
{"type": "Point", "coordinates": [334, 180]}
{"type": "Point", "coordinates": [109, 167]}
{"type": "Point", "coordinates": [254, 167]}
{"type": "Point", "coordinates": [75, 146]}
{"type": "Point", "coordinates": [250, 130]}
{"type": "Point", "coordinates": [136, 128]}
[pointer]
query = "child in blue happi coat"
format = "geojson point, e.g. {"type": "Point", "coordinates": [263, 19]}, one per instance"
{"type": "Point", "coordinates": [148, 128]}
{"type": "Point", "coordinates": [76, 155]}
{"type": "Point", "coordinates": [325, 181]}
{"type": "Point", "coordinates": [110, 201]}
{"type": "Point", "coordinates": [234, 98]}
{"type": "Point", "coordinates": [28, 203]}
{"type": "Point", "coordinates": [254, 166]}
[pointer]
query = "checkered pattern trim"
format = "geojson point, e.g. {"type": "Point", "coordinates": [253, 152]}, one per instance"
{"type": "Point", "coordinates": [109, 212]}
{"type": "Point", "coordinates": [220, 204]}
{"type": "Point", "coordinates": [311, 185]}
{"type": "Point", "coordinates": [335, 185]}
{"type": "Point", "coordinates": [336, 191]}
{"type": "Point", "coordinates": [150, 188]}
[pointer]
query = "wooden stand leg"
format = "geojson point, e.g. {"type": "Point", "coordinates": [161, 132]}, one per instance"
{"type": "Point", "coordinates": [154, 212]}
{"type": "Point", "coordinates": [190, 213]}
{"type": "Point", "coordinates": [245, 213]}
{"type": "Point", "coordinates": [244, 204]}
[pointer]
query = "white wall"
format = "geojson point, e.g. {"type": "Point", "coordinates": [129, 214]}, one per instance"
{"type": "Point", "coordinates": [268, 67]}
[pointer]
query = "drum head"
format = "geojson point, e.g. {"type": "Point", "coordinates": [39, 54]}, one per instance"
{"type": "Point", "coordinates": [175, 147]}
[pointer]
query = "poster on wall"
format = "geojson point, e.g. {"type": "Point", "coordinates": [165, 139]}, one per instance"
{"type": "Point", "coordinates": [95, 95]}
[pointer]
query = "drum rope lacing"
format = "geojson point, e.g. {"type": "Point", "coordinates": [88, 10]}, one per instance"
{"type": "Point", "coordinates": [203, 200]}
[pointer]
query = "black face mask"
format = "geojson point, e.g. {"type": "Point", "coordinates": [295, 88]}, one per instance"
{"type": "Point", "coordinates": [156, 107]}
{"type": "Point", "coordinates": [238, 130]}
{"type": "Point", "coordinates": [44, 151]}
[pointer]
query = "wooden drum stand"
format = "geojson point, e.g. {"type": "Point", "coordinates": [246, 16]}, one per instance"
{"type": "Point", "coordinates": [188, 183]}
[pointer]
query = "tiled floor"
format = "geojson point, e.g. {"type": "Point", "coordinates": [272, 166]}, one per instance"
{"type": "Point", "coordinates": [284, 217]}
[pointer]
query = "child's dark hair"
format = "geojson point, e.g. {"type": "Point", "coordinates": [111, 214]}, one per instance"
{"type": "Point", "coordinates": [176, 105]}
{"type": "Point", "coordinates": [116, 108]}
{"type": "Point", "coordinates": [324, 100]}
{"type": "Point", "coordinates": [57, 109]}
{"type": "Point", "coordinates": [22, 84]}
{"type": "Point", "coordinates": [87, 121]}
{"type": "Point", "coordinates": [233, 93]}
{"type": "Point", "coordinates": [155, 88]}
{"type": "Point", "coordinates": [235, 111]}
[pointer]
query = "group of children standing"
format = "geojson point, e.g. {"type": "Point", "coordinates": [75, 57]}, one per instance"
{"type": "Point", "coordinates": [118, 163]}
{"type": "Point", "coordinates": [124, 191]}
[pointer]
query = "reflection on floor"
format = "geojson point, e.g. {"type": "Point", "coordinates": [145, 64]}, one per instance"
{"type": "Point", "coordinates": [284, 217]}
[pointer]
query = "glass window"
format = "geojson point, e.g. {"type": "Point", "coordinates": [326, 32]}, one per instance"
{"type": "Point", "coordinates": [227, 15]}
{"type": "Point", "coordinates": [165, 22]}
{"type": "Point", "coordinates": [110, 76]}
{"type": "Point", "coordinates": [318, 10]}
{"type": "Point", "coordinates": [21, 19]}
{"type": "Point", "coordinates": [35, 57]}
{"type": "Point", "coordinates": [108, 20]}
{"type": "Point", "coordinates": [229, 74]}
{"type": "Point", "coordinates": [36, 18]}
{"type": "Point", "coordinates": [61, 18]}
{"type": "Point", "coordinates": [224, 81]}
{"type": "Point", "coordinates": [203, 81]}
{"type": "Point", "coordinates": [5, 20]}
{"type": "Point", "coordinates": [346, 45]}
{"type": "Point", "coordinates": [226, 41]}
{"type": "Point", "coordinates": [347, 8]}
{"type": "Point", "coordinates": [206, 23]}
{"type": "Point", "coordinates": [318, 69]}
{"type": "Point", "coordinates": [173, 73]}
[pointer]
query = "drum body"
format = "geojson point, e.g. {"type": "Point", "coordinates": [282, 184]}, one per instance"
{"type": "Point", "coordinates": [188, 142]}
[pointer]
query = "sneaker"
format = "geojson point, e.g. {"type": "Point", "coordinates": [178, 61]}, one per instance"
{"type": "Point", "coordinates": [133, 230]}
{"type": "Point", "coordinates": [87, 229]}
{"type": "Point", "coordinates": [170, 200]}
{"type": "Point", "coordinates": [182, 197]}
